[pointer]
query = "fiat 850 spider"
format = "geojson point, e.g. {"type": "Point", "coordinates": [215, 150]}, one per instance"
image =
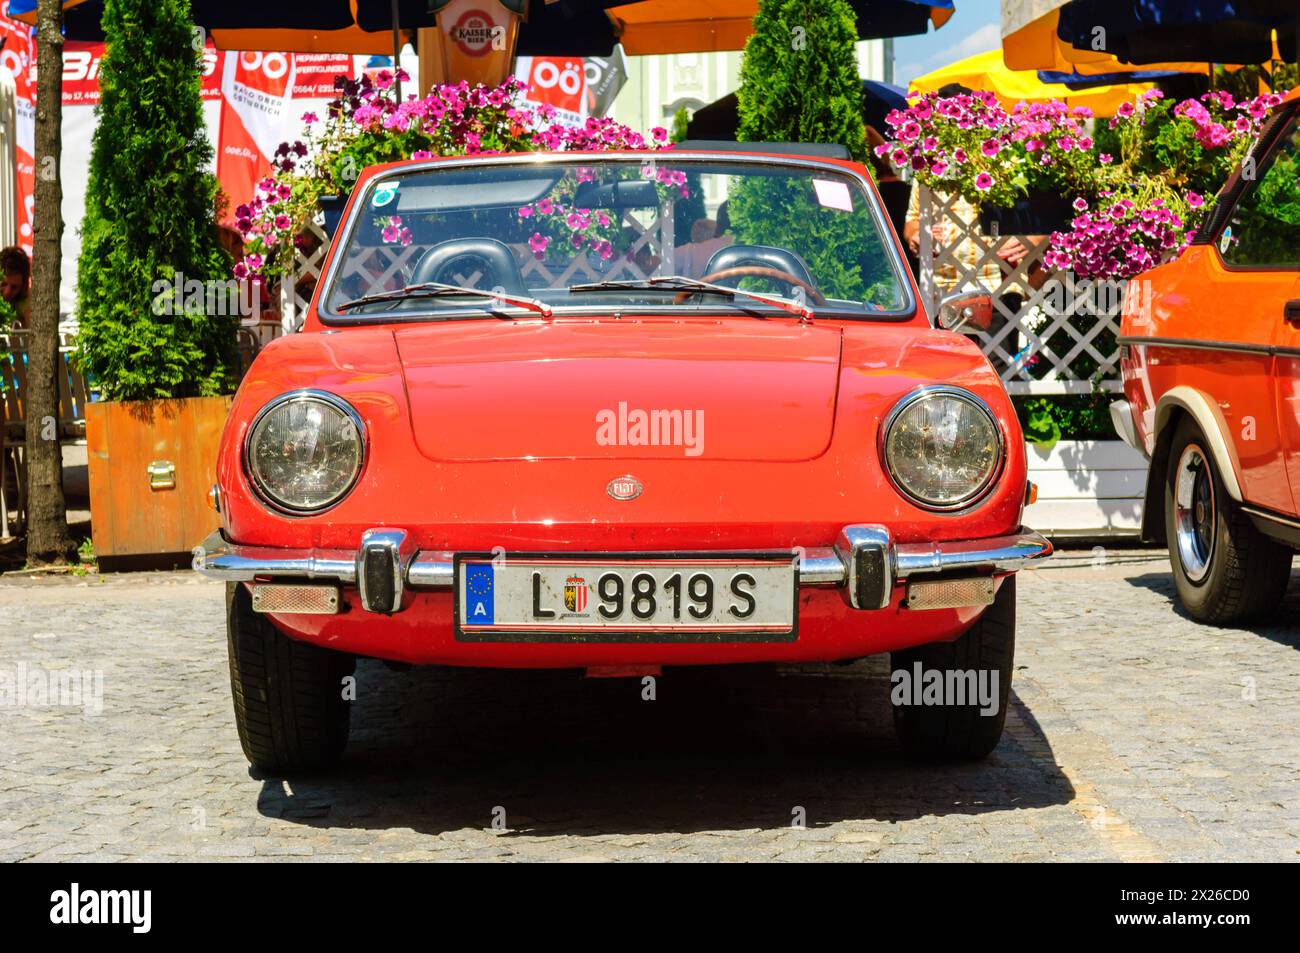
{"type": "Point", "coordinates": [614, 412]}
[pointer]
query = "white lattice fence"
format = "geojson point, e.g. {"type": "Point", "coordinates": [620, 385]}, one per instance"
{"type": "Point", "coordinates": [1043, 341]}
{"type": "Point", "coordinates": [296, 289]}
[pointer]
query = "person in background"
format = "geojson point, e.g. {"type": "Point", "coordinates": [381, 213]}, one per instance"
{"type": "Point", "coordinates": [708, 237]}
{"type": "Point", "coordinates": [16, 285]}
{"type": "Point", "coordinates": [894, 192]}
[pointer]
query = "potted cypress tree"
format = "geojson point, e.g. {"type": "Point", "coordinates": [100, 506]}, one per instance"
{"type": "Point", "coordinates": [157, 325]}
{"type": "Point", "coordinates": [799, 83]}
{"type": "Point", "coordinates": [799, 77]}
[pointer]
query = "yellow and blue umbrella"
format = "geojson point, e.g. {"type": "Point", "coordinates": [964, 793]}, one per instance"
{"type": "Point", "coordinates": [1103, 36]}
{"type": "Point", "coordinates": [1030, 41]}
{"type": "Point", "coordinates": [986, 72]}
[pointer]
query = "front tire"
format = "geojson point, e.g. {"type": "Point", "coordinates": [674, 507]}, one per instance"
{"type": "Point", "coordinates": [1225, 570]}
{"type": "Point", "coordinates": [961, 731]}
{"type": "Point", "coordinates": [289, 705]}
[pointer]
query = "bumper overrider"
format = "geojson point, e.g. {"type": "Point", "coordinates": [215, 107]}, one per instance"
{"type": "Point", "coordinates": [865, 562]}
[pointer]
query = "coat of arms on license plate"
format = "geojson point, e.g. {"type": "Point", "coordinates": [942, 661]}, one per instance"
{"type": "Point", "coordinates": [575, 594]}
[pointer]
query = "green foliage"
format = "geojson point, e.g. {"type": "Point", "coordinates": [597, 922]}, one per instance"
{"type": "Point", "coordinates": [1266, 228]}
{"type": "Point", "coordinates": [843, 250]}
{"type": "Point", "coordinates": [1041, 427]}
{"type": "Point", "coordinates": [149, 215]}
{"type": "Point", "coordinates": [799, 78]}
{"type": "Point", "coordinates": [1045, 420]}
{"type": "Point", "coordinates": [7, 318]}
{"type": "Point", "coordinates": [1245, 82]}
{"type": "Point", "coordinates": [681, 126]}
{"type": "Point", "coordinates": [1159, 153]}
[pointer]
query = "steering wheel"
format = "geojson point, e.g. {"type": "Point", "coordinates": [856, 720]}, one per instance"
{"type": "Point", "coordinates": [495, 257]}
{"type": "Point", "coordinates": [759, 271]}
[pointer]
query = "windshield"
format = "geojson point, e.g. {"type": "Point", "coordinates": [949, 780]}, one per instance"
{"type": "Point", "coordinates": [643, 231]}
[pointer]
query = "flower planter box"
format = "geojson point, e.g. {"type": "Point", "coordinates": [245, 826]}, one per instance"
{"type": "Point", "coordinates": [151, 465]}
{"type": "Point", "coordinates": [1087, 488]}
{"type": "Point", "coordinates": [1036, 214]}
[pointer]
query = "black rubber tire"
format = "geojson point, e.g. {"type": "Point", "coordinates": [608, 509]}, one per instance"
{"type": "Point", "coordinates": [961, 731]}
{"type": "Point", "coordinates": [289, 705]}
{"type": "Point", "coordinates": [1248, 571]}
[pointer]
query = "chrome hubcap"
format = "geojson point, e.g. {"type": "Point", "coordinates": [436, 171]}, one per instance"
{"type": "Point", "coordinates": [1194, 513]}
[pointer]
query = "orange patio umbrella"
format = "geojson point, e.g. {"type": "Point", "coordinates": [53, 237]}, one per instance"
{"type": "Point", "coordinates": [1030, 42]}
{"type": "Point", "coordinates": [698, 26]}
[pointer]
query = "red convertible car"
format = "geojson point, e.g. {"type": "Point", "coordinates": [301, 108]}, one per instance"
{"type": "Point", "coordinates": [614, 412]}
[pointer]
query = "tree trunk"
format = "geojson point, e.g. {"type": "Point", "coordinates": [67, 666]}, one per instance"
{"type": "Point", "coordinates": [48, 540]}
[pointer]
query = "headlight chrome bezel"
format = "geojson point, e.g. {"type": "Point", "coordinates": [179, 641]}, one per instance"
{"type": "Point", "coordinates": [926, 392]}
{"type": "Point", "coordinates": [304, 395]}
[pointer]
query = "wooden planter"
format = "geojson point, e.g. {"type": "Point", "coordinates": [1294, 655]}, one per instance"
{"type": "Point", "coordinates": [1087, 489]}
{"type": "Point", "coordinates": [151, 466]}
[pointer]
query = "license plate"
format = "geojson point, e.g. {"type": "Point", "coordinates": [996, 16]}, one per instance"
{"type": "Point", "coordinates": [599, 598]}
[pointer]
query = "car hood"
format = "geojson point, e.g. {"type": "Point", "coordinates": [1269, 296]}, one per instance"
{"type": "Point", "coordinates": [621, 389]}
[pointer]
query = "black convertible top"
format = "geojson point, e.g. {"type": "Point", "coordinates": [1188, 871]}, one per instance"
{"type": "Point", "coordinates": [822, 150]}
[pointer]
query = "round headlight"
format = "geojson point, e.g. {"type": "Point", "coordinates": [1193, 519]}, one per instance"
{"type": "Point", "coordinates": [942, 447]}
{"type": "Point", "coordinates": [305, 450]}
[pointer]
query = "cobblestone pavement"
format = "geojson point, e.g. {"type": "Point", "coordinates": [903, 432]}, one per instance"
{"type": "Point", "coordinates": [1134, 734]}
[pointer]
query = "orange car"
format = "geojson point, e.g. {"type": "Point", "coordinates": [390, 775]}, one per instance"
{"type": "Point", "coordinates": [1212, 375]}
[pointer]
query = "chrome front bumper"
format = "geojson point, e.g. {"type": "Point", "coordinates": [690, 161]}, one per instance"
{"type": "Point", "coordinates": [865, 560]}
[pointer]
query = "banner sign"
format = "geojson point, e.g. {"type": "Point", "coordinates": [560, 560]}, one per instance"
{"type": "Point", "coordinates": [556, 81]}
{"type": "Point", "coordinates": [576, 88]}
{"type": "Point", "coordinates": [257, 94]}
{"type": "Point", "coordinates": [81, 62]}
{"type": "Point", "coordinates": [313, 72]}
{"type": "Point", "coordinates": [18, 59]}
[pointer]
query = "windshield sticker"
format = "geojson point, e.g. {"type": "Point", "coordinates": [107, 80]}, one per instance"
{"type": "Point", "coordinates": [831, 194]}
{"type": "Point", "coordinates": [384, 195]}
{"type": "Point", "coordinates": [1225, 241]}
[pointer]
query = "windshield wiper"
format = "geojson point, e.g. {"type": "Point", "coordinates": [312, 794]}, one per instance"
{"type": "Point", "coordinates": [436, 289]}
{"type": "Point", "coordinates": [676, 283]}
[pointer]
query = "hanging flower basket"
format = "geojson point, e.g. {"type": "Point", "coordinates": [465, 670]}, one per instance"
{"type": "Point", "coordinates": [1038, 213]}
{"type": "Point", "coordinates": [365, 125]}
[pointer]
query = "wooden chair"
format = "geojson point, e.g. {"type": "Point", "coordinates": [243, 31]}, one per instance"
{"type": "Point", "coordinates": [73, 396]}
{"type": "Point", "coordinates": [13, 386]}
